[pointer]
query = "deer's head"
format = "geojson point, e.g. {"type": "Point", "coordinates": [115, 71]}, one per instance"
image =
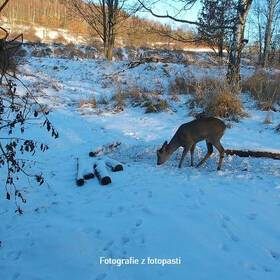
{"type": "Point", "coordinates": [163, 154]}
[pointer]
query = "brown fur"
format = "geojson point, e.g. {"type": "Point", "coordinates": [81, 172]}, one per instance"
{"type": "Point", "coordinates": [209, 129]}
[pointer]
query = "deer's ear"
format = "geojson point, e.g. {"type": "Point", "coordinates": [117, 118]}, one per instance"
{"type": "Point", "coordinates": [164, 145]}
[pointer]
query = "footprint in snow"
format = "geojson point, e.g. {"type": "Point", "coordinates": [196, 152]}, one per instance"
{"type": "Point", "coordinates": [15, 255]}
{"type": "Point", "coordinates": [275, 255]}
{"type": "Point", "coordinates": [97, 233]}
{"type": "Point", "coordinates": [125, 240]}
{"type": "Point", "coordinates": [232, 236]}
{"type": "Point", "coordinates": [187, 195]}
{"type": "Point", "coordinates": [101, 276]}
{"type": "Point", "coordinates": [147, 211]}
{"type": "Point", "coordinates": [140, 240]}
{"type": "Point", "coordinates": [138, 223]}
{"type": "Point", "coordinates": [223, 247]}
{"type": "Point", "coordinates": [267, 269]}
{"type": "Point", "coordinates": [252, 216]}
{"type": "Point", "coordinates": [16, 276]}
{"type": "Point", "coordinates": [108, 245]}
{"type": "Point", "coordinates": [225, 220]}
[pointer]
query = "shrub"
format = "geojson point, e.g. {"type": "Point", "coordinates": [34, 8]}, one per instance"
{"type": "Point", "coordinates": [264, 88]}
{"type": "Point", "coordinates": [181, 86]}
{"type": "Point", "coordinates": [216, 99]}
{"type": "Point", "coordinates": [156, 106]}
{"type": "Point", "coordinates": [139, 97]}
{"type": "Point", "coordinates": [88, 103]}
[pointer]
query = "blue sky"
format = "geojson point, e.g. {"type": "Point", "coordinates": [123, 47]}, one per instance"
{"type": "Point", "coordinates": [163, 7]}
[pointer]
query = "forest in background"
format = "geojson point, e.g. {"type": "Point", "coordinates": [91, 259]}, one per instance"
{"type": "Point", "coordinates": [53, 14]}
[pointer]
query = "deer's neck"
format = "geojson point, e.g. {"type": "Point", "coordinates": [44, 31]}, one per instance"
{"type": "Point", "coordinates": [173, 145]}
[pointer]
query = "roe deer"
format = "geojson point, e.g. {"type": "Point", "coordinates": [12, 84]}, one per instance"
{"type": "Point", "coordinates": [209, 129]}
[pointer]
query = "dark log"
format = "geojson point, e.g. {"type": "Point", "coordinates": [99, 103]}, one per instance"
{"type": "Point", "coordinates": [104, 149]}
{"type": "Point", "coordinates": [257, 154]}
{"type": "Point", "coordinates": [113, 164]}
{"type": "Point", "coordinates": [88, 176]}
{"type": "Point", "coordinates": [102, 173]}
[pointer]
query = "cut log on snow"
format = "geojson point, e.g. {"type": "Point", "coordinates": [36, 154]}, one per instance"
{"type": "Point", "coordinates": [257, 154]}
{"type": "Point", "coordinates": [102, 173]}
{"type": "Point", "coordinates": [104, 149]}
{"type": "Point", "coordinates": [84, 171]}
{"type": "Point", "coordinates": [113, 164]}
{"type": "Point", "coordinates": [79, 177]}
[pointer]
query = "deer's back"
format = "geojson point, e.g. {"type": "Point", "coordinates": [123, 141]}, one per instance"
{"type": "Point", "coordinates": [200, 129]}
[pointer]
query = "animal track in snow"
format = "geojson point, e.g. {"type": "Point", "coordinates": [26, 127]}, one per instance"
{"type": "Point", "coordinates": [275, 255]}
{"type": "Point", "coordinates": [223, 247]}
{"type": "Point", "coordinates": [252, 216]}
{"type": "Point", "coordinates": [225, 220]}
{"type": "Point", "coordinates": [108, 245]}
{"type": "Point", "coordinates": [147, 211]}
{"type": "Point", "coordinates": [186, 195]}
{"type": "Point", "coordinates": [15, 255]}
{"type": "Point", "coordinates": [138, 223]}
{"type": "Point", "coordinates": [125, 240]}
{"type": "Point", "coordinates": [101, 276]}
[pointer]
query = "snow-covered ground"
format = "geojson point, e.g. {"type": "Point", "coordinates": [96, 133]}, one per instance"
{"type": "Point", "coordinates": [214, 224]}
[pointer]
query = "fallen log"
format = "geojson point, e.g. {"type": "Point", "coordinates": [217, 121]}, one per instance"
{"type": "Point", "coordinates": [84, 172]}
{"type": "Point", "coordinates": [114, 165]}
{"type": "Point", "coordinates": [104, 149]}
{"type": "Point", "coordinates": [102, 173]}
{"type": "Point", "coordinates": [257, 154]}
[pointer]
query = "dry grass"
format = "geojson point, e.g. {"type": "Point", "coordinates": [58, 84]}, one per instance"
{"type": "Point", "coordinates": [133, 95]}
{"type": "Point", "coordinates": [181, 85]}
{"type": "Point", "coordinates": [216, 99]}
{"type": "Point", "coordinates": [264, 88]}
{"type": "Point", "coordinates": [89, 103]}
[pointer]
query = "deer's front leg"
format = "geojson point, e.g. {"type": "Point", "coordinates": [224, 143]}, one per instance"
{"type": "Point", "coordinates": [183, 156]}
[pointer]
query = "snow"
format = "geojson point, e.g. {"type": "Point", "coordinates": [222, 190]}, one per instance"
{"type": "Point", "coordinates": [221, 224]}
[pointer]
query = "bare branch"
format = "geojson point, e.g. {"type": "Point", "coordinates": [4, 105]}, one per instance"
{"type": "Point", "coordinates": [3, 5]}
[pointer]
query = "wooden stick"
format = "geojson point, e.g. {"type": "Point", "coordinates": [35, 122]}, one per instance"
{"type": "Point", "coordinates": [256, 154]}
{"type": "Point", "coordinates": [79, 178]}
{"type": "Point", "coordinates": [101, 173]}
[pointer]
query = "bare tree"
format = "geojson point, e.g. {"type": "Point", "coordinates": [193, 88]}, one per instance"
{"type": "Point", "coordinates": [104, 17]}
{"type": "Point", "coordinates": [265, 15]}
{"type": "Point", "coordinates": [237, 42]}
{"type": "Point", "coordinates": [270, 20]}
{"type": "Point", "coordinates": [257, 20]}
{"type": "Point", "coordinates": [3, 4]}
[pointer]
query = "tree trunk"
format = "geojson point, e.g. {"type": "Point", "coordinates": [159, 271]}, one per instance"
{"type": "Point", "coordinates": [233, 72]}
{"type": "Point", "coordinates": [268, 33]}
{"type": "Point", "coordinates": [260, 39]}
{"type": "Point", "coordinates": [221, 47]}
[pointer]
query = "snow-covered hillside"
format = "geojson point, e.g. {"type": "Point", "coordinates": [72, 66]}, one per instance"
{"type": "Point", "coordinates": [214, 224]}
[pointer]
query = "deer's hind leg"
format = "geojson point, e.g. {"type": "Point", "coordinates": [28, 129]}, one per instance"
{"type": "Point", "coordinates": [192, 153]}
{"type": "Point", "coordinates": [209, 152]}
{"type": "Point", "coordinates": [221, 150]}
